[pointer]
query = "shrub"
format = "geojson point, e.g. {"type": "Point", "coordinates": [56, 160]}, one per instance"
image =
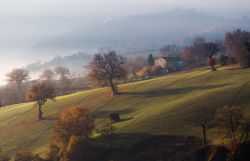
{"type": "Point", "coordinates": [4, 156]}
{"type": "Point", "coordinates": [114, 117]}
{"type": "Point", "coordinates": [26, 155]}
{"type": "Point", "coordinates": [53, 152]}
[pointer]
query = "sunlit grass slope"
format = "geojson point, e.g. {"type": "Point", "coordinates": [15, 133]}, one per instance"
{"type": "Point", "coordinates": [155, 106]}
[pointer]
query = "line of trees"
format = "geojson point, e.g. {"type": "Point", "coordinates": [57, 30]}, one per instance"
{"type": "Point", "coordinates": [234, 50]}
{"type": "Point", "coordinates": [19, 82]}
{"type": "Point", "coordinates": [107, 68]}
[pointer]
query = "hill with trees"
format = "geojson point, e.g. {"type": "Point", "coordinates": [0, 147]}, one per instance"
{"type": "Point", "coordinates": [148, 108]}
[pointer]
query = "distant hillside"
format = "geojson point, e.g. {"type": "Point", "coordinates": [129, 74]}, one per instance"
{"type": "Point", "coordinates": [77, 62]}
{"type": "Point", "coordinates": [74, 62]}
{"type": "Point", "coordinates": [147, 31]}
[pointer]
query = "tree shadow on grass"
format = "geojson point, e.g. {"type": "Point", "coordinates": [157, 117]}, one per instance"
{"type": "Point", "coordinates": [125, 119]}
{"type": "Point", "coordinates": [172, 91]}
{"type": "Point", "coordinates": [105, 113]}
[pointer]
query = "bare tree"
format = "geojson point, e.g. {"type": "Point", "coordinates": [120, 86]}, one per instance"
{"type": "Point", "coordinates": [18, 76]}
{"type": "Point", "coordinates": [40, 93]}
{"type": "Point", "coordinates": [64, 74]}
{"type": "Point", "coordinates": [195, 54]}
{"type": "Point", "coordinates": [211, 49]}
{"type": "Point", "coordinates": [198, 45]}
{"type": "Point", "coordinates": [168, 50]}
{"type": "Point", "coordinates": [107, 66]}
{"type": "Point", "coordinates": [47, 75]}
{"type": "Point", "coordinates": [189, 57]}
{"type": "Point", "coordinates": [201, 116]}
{"type": "Point", "coordinates": [133, 65]}
{"type": "Point", "coordinates": [237, 43]}
{"type": "Point", "coordinates": [151, 60]}
{"type": "Point", "coordinates": [233, 126]}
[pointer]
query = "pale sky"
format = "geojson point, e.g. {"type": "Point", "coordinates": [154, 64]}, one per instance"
{"type": "Point", "coordinates": [123, 7]}
{"type": "Point", "coordinates": [23, 23]}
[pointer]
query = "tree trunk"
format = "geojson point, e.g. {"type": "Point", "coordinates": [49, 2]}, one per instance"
{"type": "Point", "coordinates": [21, 95]}
{"type": "Point", "coordinates": [204, 131]}
{"type": "Point", "coordinates": [40, 113]}
{"type": "Point", "coordinates": [211, 63]}
{"type": "Point", "coordinates": [112, 86]}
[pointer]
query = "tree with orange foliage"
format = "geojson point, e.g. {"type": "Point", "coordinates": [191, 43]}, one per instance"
{"type": "Point", "coordinates": [40, 93]}
{"type": "Point", "coordinates": [71, 131]}
{"type": "Point", "coordinates": [73, 121]}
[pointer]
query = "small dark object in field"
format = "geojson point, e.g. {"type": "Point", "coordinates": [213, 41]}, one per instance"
{"type": "Point", "coordinates": [114, 117]}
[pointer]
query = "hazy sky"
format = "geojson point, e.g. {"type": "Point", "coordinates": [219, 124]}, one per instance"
{"type": "Point", "coordinates": [24, 23]}
{"type": "Point", "coordinates": [120, 7]}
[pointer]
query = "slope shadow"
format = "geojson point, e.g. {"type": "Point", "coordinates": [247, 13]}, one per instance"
{"type": "Point", "coordinates": [147, 147]}
{"type": "Point", "coordinates": [171, 91]}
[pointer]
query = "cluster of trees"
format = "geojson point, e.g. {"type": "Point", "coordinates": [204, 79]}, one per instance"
{"type": "Point", "coordinates": [107, 67]}
{"type": "Point", "coordinates": [238, 45]}
{"type": "Point", "coordinates": [200, 52]}
{"type": "Point", "coordinates": [170, 50]}
{"type": "Point", "coordinates": [19, 82]}
{"type": "Point", "coordinates": [233, 126]}
{"type": "Point", "coordinates": [234, 50]}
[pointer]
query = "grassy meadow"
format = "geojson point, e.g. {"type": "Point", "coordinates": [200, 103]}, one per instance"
{"type": "Point", "coordinates": [157, 106]}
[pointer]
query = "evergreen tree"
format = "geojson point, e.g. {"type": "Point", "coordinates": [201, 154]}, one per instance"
{"type": "Point", "coordinates": [151, 61]}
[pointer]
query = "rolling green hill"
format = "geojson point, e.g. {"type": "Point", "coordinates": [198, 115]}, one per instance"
{"type": "Point", "coordinates": [156, 106]}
